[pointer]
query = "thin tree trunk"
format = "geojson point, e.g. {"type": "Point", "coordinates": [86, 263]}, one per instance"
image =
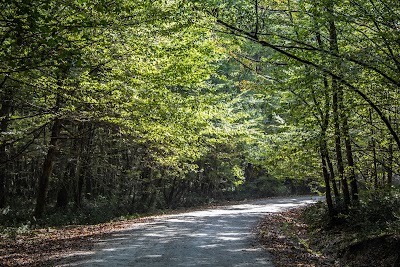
{"type": "Point", "coordinates": [332, 176]}
{"type": "Point", "coordinates": [350, 160]}
{"type": "Point", "coordinates": [327, 178]}
{"type": "Point", "coordinates": [390, 157]}
{"type": "Point", "coordinates": [349, 152]}
{"type": "Point", "coordinates": [169, 196]}
{"type": "Point", "coordinates": [338, 148]}
{"type": "Point", "coordinates": [3, 176]}
{"type": "Point", "coordinates": [337, 105]}
{"type": "Point", "coordinates": [86, 172]}
{"type": "Point", "coordinates": [324, 125]}
{"type": "Point", "coordinates": [79, 189]}
{"type": "Point", "coordinates": [328, 194]}
{"type": "Point", "coordinates": [75, 169]}
{"type": "Point", "coordinates": [5, 114]}
{"type": "Point", "coordinates": [374, 159]}
{"type": "Point", "coordinates": [390, 164]}
{"type": "Point", "coordinates": [324, 157]}
{"type": "Point", "coordinates": [44, 179]}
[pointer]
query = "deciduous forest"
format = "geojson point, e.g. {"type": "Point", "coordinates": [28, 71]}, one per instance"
{"type": "Point", "coordinates": [119, 108]}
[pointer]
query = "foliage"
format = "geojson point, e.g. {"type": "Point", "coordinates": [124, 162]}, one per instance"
{"type": "Point", "coordinates": [367, 235]}
{"type": "Point", "coordinates": [263, 187]}
{"type": "Point", "coordinates": [333, 67]}
{"type": "Point", "coordinates": [376, 214]}
{"type": "Point", "coordinates": [157, 104]}
{"type": "Point", "coordinates": [125, 102]}
{"type": "Point", "coordinates": [378, 210]}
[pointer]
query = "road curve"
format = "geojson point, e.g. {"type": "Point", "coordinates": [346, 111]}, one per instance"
{"type": "Point", "coordinates": [212, 237]}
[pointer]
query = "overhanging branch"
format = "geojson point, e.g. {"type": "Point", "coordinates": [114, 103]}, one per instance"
{"type": "Point", "coordinates": [252, 37]}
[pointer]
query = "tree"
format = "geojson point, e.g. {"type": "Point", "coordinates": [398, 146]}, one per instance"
{"type": "Point", "coordinates": [93, 71]}
{"type": "Point", "coordinates": [297, 30]}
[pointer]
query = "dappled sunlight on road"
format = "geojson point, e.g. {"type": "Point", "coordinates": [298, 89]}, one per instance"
{"type": "Point", "coordinates": [214, 237]}
{"type": "Point", "coordinates": [264, 206]}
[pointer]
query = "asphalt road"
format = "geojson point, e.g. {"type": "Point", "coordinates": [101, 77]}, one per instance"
{"type": "Point", "coordinates": [213, 237]}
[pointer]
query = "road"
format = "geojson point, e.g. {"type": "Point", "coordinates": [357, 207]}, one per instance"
{"type": "Point", "coordinates": [213, 237]}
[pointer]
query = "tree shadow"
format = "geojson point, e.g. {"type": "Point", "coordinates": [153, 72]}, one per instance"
{"type": "Point", "coordinates": [215, 237]}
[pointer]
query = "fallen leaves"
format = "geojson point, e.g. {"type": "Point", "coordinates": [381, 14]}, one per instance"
{"type": "Point", "coordinates": [284, 235]}
{"type": "Point", "coordinates": [44, 247]}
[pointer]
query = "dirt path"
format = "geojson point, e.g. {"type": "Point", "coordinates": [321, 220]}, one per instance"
{"type": "Point", "coordinates": [214, 237]}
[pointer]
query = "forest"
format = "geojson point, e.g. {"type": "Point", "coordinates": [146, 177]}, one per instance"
{"type": "Point", "coordinates": [117, 108]}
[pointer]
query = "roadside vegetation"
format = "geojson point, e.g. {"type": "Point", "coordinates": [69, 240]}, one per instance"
{"type": "Point", "coordinates": [369, 235]}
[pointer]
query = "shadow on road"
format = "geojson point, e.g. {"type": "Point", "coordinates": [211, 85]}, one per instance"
{"type": "Point", "coordinates": [214, 237]}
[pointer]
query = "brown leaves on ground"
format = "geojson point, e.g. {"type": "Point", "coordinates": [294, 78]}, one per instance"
{"type": "Point", "coordinates": [284, 235]}
{"type": "Point", "coordinates": [44, 247]}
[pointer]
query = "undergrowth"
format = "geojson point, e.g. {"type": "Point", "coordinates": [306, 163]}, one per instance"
{"type": "Point", "coordinates": [365, 234]}
{"type": "Point", "coordinates": [376, 211]}
{"type": "Point", "coordinates": [20, 219]}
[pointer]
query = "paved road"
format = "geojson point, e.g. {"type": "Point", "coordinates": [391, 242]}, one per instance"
{"type": "Point", "coordinates": [213, 237]}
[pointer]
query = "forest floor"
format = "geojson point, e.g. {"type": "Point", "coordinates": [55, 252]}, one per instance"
{"type": "Point", "coordinates": [44, 247]}
{"type": "Point", "coordinates": [293, 242]}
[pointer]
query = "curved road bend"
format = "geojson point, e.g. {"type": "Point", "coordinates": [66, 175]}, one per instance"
{"type": "Point", "coordinates": [212, 237]}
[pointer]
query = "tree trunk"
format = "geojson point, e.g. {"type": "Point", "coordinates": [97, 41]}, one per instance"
{"type": "Point", "coordinates": [332, 177]}
{"type": "Point", "coordinates": [145, 190]}
{"type": "Point", "coordinates": [349, 152]}
{"type": "Point", "coordinates": [350, 160]}
{"type": "Point", "coordinates": [338, 147]}
{"type": "Point", "coordinates": [84, 166]}
{"type": "Point", "coordinates": [62, 197]}
{"type": "Point", "coordinates": [3, 176]}
{"type": "Point", "coordinates": [390, 164]}
{"type": "Point", "coordinates": [75, 170]}
{"type": "Point", "coordinates": [5, 114]}
{"type": "Point", "coordinates": [324, 125]}
{"type": "Point", "coordinates": [337, 105]}
{"type": "Point", "coordinates": [328, 194]}
{"type": "Point", "coordinates": [374, 159]}
{"type": "Point", "coordinates": [47, 169]}
{"type": "Point", "coordinates": [169, 195]}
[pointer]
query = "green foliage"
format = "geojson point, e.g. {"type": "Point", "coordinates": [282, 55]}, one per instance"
{"type": "Point", "coordinates": [378, 209]}
{"type": "Point", "coordinates": [19, 219]}
{"type": "Point", "coordinates": [376, 214]}
{"type": "Point", "coordinates": [263, 186]}
{"type": "Point", "coordinates": [164, 103]}
{"type": "Point", "coordinates": [133, 85]}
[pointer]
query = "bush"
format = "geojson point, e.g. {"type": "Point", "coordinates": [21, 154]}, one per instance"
{"type": "Point", "coordinates": [377, 211]}
{"type": "Point", "coordinates": [263, 186]}
{"type": "Point", "coordinates": [96, 211]}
